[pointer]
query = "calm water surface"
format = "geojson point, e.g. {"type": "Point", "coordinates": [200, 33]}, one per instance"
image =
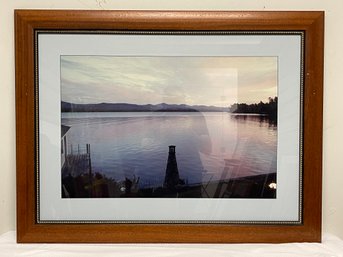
{"type": "Point", "coordinates": [136, 143]}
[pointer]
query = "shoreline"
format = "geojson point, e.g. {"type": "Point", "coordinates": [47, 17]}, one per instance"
{"type": "Point", "coordinates": [254, 187]}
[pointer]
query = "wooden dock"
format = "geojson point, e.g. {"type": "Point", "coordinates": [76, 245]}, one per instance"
{"type": "Point", "coordinates": [77, 162]}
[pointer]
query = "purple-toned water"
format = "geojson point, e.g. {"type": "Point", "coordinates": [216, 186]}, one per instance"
{"type": "Point", "coordinates": [124, 144]}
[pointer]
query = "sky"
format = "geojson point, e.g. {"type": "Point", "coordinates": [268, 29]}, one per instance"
{"type": "Point", "coordinates": [212, 81]}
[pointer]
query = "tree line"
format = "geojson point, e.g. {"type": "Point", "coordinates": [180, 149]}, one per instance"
{"type": "Point", "coordinates": [268, 108]}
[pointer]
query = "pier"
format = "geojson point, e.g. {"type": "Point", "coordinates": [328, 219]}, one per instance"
{"type": "Point", "coordinates": [77, 161]}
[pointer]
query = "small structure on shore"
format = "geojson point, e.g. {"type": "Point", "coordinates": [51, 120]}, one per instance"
{"type": "Point", "coordinates": [64, 130]}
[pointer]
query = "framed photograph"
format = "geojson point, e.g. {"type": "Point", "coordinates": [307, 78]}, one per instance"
{"type": "Point", "coordinates": [168, 126]}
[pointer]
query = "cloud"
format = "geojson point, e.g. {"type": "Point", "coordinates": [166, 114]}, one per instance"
{"type": "Point", "coordinates": [190, 80]}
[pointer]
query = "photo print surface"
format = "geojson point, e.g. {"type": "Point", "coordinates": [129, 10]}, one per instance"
{"type": "Point", "coordinates": [168, 127]}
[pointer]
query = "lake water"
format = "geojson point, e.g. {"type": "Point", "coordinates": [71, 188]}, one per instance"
{"type": "Point", "coordinates": [125, 144]}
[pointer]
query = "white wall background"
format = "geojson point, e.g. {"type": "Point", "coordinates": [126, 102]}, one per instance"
{"type": "Point", "coordinates": [333, 89]}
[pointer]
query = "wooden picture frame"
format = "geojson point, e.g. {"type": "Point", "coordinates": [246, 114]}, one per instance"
{"type": "Point", "coordinates": [31, 227]}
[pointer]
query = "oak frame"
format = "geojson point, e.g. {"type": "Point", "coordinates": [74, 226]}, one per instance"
{"type": "Point", "coordinates": [27, 21]}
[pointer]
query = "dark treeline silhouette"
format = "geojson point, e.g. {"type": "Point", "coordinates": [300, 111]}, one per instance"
{"type": "Point", "coordinates": [269, 108]}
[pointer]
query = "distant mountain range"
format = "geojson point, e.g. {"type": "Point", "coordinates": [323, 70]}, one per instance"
{"type": "Point", "coordinates": [126, 107]}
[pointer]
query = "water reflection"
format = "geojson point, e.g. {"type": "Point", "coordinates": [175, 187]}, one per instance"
{"type": "Point", "coordinates": [260, 118]}
{"type": "Point", "coordinates": [215, 150]}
